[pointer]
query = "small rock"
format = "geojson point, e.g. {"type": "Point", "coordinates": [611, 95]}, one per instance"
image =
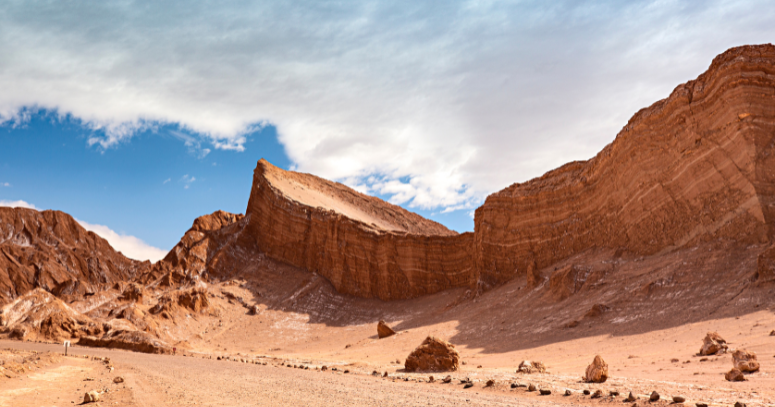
{"type": "Point", "coordinates": [446, 379]}
{"type": "Point", "coordinates": [383, 330]}
{"type": "Point", "coordinates": [597, 394]}
{"type": "Point", "coordinates": [545, 392]}
{"type": "Point", "coordinates": [597, 372]}
{"type": "Point", "coordinates": [613, 393]}
{"type": "Point", "coordinates": [324, 368]}
{"type": "Point", "coordinates": [567, 392]}
{"type": "Point", "coordinates": [513, 385]}
{"type": "Point", "coordinates": [91, 397]}
{"type": "Point", "coordinates": [654, 396]}
{"type": "Point", "coordinates": [384, 374]}
{"type": "Point", "coordinates": [468, 385]}
{"type": "Point", "coordinates": [118, 379]}
{"type": "Point", "coordinates": [701, 404]}
{"type": "Point", "coordinates": [431, 379]}
{"type": "Point", "coordinates": [479, 367]}
{"type": "Point", "coordinates": [679, 399]}
{"type": "Point", "coordinates": [739, 404]}
{"type": "Point", "coordinates": [347, 370]}
{"type": "Point", "coordinates": [772, 333]}
{"type": "Point", "coordinates": [586, 392]}
{"type": "Point", "coordinates": [531, 387]}
{"type": "Point", "coordinates": [735, 375]}
{"type": "Point", "coordinates": [489, 383]}
{"type": "Point", "coordinates": [630, 398]}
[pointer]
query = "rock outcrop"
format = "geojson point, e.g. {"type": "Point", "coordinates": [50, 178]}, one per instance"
{"type": "Point", "coordinates": [50, 250]}
{"type": "Point", "coordinates": [433, 355]}
{"type": "Point", "coordinates": [597, 372]}
{"type": "Point", "coordinates": [745, 361]}
{"type": "Point", "coordinates": [690, 168]}
{"type": "Point", "coordinates": [383, 330]}
{"type": "Point", "coordinates": [527, 366]}
{"type": "Point", "coordinates": [713, 344]}
{"type": "Point", "coordinates": [39, 315]}
{"type": "Point", "coordinates": [129, 340]}
{"type": "Point", "coordinates": [693, 167]}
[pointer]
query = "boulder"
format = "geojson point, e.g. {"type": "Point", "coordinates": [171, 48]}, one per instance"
{"type": "Point", "coordinates": [713, 344]}
{"type": "Point", "coordinates": [383, 330]}
{"type": "Point", "coordinates": [597, 372]}
{"type": "Point", "coordinates": [254, 310]}
{"type": "Point", "coordinates": [527, 366]}
{"type": "Point", "coordinates": [91, 397]}
{"type": "Point", "coordinates": [745, 361]}
{"type": "Point", "coordinates": [679, 399]}
{"type": "Point", "coordinates": [118, 379]}
{"type": "Point", "coordinates": [654, 396]}
{"type": "Point", "coordinates": [433, 355]}
{"type": "Point", "coordinates": [735, 375]}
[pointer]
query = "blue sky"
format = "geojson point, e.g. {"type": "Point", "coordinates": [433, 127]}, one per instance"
{"type": "Point", "coordinates": [431, 105]}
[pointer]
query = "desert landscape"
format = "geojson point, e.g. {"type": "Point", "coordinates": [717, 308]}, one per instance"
{"type": "Point", "coordinates": [643, 276]}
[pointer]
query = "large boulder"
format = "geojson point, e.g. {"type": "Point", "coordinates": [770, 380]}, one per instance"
{"type": "Point", "coordinates": [597, 372]}
{"type": "Point", "coordinates": [91, 397]}
{"type": "Point", "coordinates": [433, 355]}
{"type": "Point", "coordinates": [713, 344]}
{"type": "Point", "coordinates": [383, 330]}
{"type": "Point", "coordinates": [745, 361]}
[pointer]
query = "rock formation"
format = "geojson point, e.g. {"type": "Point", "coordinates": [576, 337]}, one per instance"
{"type": "Point", "coordinates": [688, 169]}
{"type": "Point", "coordinates": [527, 366]}
{"type": "Point", "coordinates": [433, 355]}
{"type": "Point", "coordinates": [597, 372]}
{"type": "Point", "coordinates": [735, 375]}
{"type": "Point", "coordinates": [745, 361]}
{"type": "Point", "coordinates": [50, 250]}
{"type": "Point", "coordinates": [713, 344]}
{"type": "Point", "coordinates": [383, 330]}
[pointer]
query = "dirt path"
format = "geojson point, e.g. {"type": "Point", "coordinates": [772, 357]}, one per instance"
{"type": "Point", "coordinates": [153, 380]}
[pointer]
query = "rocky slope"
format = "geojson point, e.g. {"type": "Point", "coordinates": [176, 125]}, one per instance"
{"type": "Point", "coordinates": [50, 250]}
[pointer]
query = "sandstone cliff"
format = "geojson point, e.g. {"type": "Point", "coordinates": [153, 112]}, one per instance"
{"type": "Point", "coordinates": [697, 166]}
{"type": "Point", "coordinates": [362, 245]}
{"type": "Point", "coordinates": [50, 250]}
{"type": "Point", "coordinates": [694, 167]}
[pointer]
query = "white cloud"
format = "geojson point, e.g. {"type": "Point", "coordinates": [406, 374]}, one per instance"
{"type": "Point", "coordinates": [187, 180]}
{"type": "Point", "coordinates": [166, 181]}
{"type": "Point", "coordinates": [130, 246]}
{"type": "Point", "coordinates": [6, 184]}
{"type": "Point", "coordinates": [445, 102]}
{"type": "Point", "coordinates": [18, 204]}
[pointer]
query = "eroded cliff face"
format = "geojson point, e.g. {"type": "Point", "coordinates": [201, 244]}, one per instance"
{"type": "Point", "coordinates": [362, 245]}
{"type": "Point", "coordinates": [50, 250]}
{"type": "Point", "coordinates": [697, 166]}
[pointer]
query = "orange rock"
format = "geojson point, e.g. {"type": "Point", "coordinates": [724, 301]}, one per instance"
{"type": "Point", "coordinates": [745, 361]}
{"type": "Point", "coordinates": [735, 375]}
{"type": "Point", "coordinates": [433, 355]}
{"type": "Point", "coordinates": [383, 330]}
{"type": "Point", "coordinates": [597, 372]}
{"type": "Point", "coordinates": [713, 344]}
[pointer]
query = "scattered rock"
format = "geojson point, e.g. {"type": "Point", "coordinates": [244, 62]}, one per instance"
{"type": "Point", "coordinates": [434, 355]}
{"type": "Point", "coordinates": [91, 397]}
{"type": "Point", "coordinates": [568, 392]}
{"type": "Point", "coordinates": [613, 393]}
{"type": "Point", "coordinates": [739, 404]}
{"type": "Point", "coordinates": [431, 379]}
{"type": "Point", "coordinates": [586, 392]}
{"type": "Point", "coordinates": [527, 366]}
{"type": "Point", "coordinates": [468, 385]}
{"type": "Point", "coordinates": [701, 404]}
{"type": "Point", "coordinates": [531, 387]}
{"type": "Point", "coordinates": [630, 398]}
{"type": "Point", "coordinates": [713, 344]}
{"type": "Point", "coordinates": [597, 394]}
{"type": "Point", "coordinates": [597, 372]}
{"type": "Point", "coordinates": [513, 385]}
{"type": "Point", "coordinates": [772, 333]}
{"type": "Point", "coordinates": [383, 330]}
{"type": "Point", "coordinates": [118, 379]}
{"type": "Point", "coordinates": [254, 310]}
{"type": "Point", "coordinates": [545, 392]}
{"type": "Point", "coordinates": [679, 399]}
{"type": "Point", "coordinates": [654, 396]}
{"type": "Point", "coordinates": [324, 368]}
{"type": "Point", "coordinates": [479, 367]}
{"type": "Point", "coordinates": [446, 379]}
{"type": "Point", "coordinates": [735, 375]}
{"type": "Point", "coordinates": [385, 374]}
{"type": "Point", "coordinates": [489, 383]}
{"type": "Point", "coordinates": [745, 361]}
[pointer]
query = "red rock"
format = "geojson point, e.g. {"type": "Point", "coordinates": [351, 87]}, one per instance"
{"type": "Point", "coordinates": [433, 355]}
{"type": "Point", "coordinates": [745, 361]}
{"type": "Point", "coordinates": [597, 372]}
{"type": "Point", "coordinates": [383, 330]}
{"type": "Point", "coordinates": [713, 344]}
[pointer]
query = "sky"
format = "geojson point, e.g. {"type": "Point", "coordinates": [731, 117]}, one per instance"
{"type": "Point", "coordinates": [138, 116]}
